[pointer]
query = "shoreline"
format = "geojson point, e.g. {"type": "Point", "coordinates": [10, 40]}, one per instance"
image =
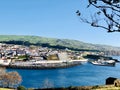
{"type": "Point", "coordinates": [95, 87]}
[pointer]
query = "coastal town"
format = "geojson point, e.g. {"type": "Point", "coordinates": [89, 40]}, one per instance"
{"type": "Point", "coordinates": [38, 57]}
{"type": "Point", "coordinates": [20, 55]}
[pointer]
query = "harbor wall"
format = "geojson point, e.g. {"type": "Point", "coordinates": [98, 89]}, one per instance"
{"type": "Point", "coordinates": [47, 66]}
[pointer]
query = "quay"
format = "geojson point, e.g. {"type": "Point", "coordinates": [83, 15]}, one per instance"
{"type": "Point", "coordinates": [44, 64]}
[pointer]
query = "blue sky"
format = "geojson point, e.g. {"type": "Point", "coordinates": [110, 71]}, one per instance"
{"type": "Point", "coordinates": [51, 18]}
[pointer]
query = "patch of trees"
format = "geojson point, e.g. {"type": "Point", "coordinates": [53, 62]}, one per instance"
{"type": "Point", "coordinates": [9, 79]}
{"type": "Point", "coordinates": [97, 57]}
{"type": "Point", "coordinates": [27, 43]}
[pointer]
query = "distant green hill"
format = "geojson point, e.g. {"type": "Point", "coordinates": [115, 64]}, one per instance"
{"type": "Point", "coordinates": [55, 43]}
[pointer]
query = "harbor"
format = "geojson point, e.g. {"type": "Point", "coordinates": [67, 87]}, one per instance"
{"type": "Point", "coordinates": [33, 57]}
{"type": "Point", "coordinates": [85, 74]}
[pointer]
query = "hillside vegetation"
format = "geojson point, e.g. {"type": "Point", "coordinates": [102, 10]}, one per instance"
{"type": "Point", "coordinates": [55, 43]}
{"type": "Point", "coordinates": [6, 89]}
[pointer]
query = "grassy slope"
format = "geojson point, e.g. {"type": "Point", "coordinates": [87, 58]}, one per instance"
{"type": "Point", "coordinates": [107, 87]}
{"type": "Point", "coordinates": [104, 87]}
{"type": "Point", "coordinates": [54, 42]}
{"type": "Point", "coordinates": [6, 89]}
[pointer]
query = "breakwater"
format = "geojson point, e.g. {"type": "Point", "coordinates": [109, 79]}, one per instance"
{"type": "Point", "coordinates": [42, 66]}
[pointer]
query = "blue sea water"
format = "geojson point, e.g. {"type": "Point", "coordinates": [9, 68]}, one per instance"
{"type": "Point", "coordinates": [82, 75]}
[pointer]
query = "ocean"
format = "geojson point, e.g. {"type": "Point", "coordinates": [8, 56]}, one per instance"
{"type": "Point", "coordinates": [82, 75]}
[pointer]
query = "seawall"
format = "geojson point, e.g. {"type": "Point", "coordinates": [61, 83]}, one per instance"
{"type": "Point", "coordinates": [46, 66]}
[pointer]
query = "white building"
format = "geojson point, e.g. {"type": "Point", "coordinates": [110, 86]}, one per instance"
{"type": "Point", "coordinates": [63, 56]}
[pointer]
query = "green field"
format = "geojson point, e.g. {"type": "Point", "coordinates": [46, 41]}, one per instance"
{"type": "Point", "coordinates": [6, 89]}
{"type": "Point", "coordinates": [55, 43]}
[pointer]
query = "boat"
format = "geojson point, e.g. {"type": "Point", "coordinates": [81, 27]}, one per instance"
{"type": "Point", "coordinates": [102, 62]}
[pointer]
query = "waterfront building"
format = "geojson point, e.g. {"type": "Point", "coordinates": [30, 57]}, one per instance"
{"type": "Point", "coordinates": [63, 56]}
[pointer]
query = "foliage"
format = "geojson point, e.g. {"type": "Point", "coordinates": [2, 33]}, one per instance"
{"type": "Point", "coordinates": [97, 57]}
{"type": "Point", "coordinates": [97, 87]}
{"type": "Point", "coordinates": [106, 15]}
{"type": "Point", "coordinates": [21, 88]}
{"type": "Point", "coordinates": [30, 89]}
{"type": "Point", "coordinates": [23, 57]}
{"type": "Point", "coordinates": [10, 79]}
{"type": "Point", "coordinates": [6, 89]}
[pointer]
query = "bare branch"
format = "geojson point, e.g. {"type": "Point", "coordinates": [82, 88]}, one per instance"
{"type": "Point", "coordinates": [109, 10]}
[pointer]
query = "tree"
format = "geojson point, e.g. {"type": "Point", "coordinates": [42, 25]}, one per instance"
{"type": "Point", "coordinates": [10, 79]}
{"type": "Point", "coordinates": [106, 16]}
{"type": "Point", "coordinates": [14, 79]}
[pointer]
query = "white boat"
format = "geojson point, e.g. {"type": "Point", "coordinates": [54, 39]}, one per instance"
{"type": "Point", "coordinates": [102, 62]}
